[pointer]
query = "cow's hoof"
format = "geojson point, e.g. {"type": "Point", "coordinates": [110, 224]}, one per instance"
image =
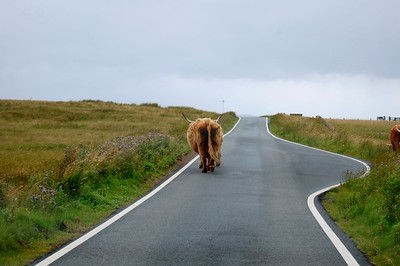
{"type": "Point", "coordinates": [204, 171]}
{"type": "Point", "coordinates": [212, 169]}
{"type": "Point", "coordinates": [218, 164]}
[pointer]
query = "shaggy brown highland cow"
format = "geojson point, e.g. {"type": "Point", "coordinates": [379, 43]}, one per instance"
{"type": "Point", "coordinates": [395, 137]}
{"type": "Point", "coordinates": [205, 137]}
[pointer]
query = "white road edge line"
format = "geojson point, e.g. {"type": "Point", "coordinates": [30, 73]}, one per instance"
{"type": "Point", "coordinates": [55, 256]}
{"type": "Point", "coordinates": [341, 248]}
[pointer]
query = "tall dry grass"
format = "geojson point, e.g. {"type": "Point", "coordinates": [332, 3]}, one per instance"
{"type": "Point", "coordinates": [34, 135]}
{"type": "Point", "coordinates": [65, 165]}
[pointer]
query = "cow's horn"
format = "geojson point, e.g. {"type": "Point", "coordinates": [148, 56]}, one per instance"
{"type": "Point", "coordinates": [216, 120]}
{"type": "Point", "coordinates": [190, 121]}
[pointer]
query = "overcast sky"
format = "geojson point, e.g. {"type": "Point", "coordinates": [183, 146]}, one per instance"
{"type": "Point", "coordinates": [331, 58]}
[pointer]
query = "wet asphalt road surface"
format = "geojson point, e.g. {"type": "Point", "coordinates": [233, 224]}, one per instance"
{"type": "Point", "coordinates": [251, 210]}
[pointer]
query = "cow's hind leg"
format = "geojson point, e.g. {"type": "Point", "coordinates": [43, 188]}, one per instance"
{"type": "Point", "coordinates": [204, 163]}
{"type": "Point", "coordinates": [211, 165]}
{"type": "Point", "coordinates": [393, 146]}
{"type": "Point", "coordinates": [203, 157]}
{"type": "Point", "coordinates": [395, 142]}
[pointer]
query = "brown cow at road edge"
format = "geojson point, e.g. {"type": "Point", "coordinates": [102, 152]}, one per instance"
{"type": "Point", "coordinates": [395, 137]}
{"type": "Point", "coordinates": [205, 137]}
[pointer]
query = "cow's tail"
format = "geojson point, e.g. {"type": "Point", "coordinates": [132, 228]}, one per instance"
{"type": "Point", "coordinates": [212, 149]}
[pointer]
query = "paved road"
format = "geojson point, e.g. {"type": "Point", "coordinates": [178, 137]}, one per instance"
{"type": "Point", "coordinates": [251, 210]}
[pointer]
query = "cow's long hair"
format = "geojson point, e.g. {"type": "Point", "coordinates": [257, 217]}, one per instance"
{"type": "Point", "coordinates": [215, 138]}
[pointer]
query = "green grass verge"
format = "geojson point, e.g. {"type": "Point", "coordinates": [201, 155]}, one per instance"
{"type": "Point", "coordinates": [367, 209]}
{"type": "Point", "coordinates": [90, 169]}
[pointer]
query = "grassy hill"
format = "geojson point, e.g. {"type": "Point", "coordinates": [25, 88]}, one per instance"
{"type": "Point", "coordinates": [367, 209]}
{"type": "Point", "coordinates": [64, 166]}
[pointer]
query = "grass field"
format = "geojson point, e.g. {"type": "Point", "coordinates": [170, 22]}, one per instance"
{"type": "Point", "coordinates": [64, 166]}
{"type": "Point", "coordinates": [368, 209]}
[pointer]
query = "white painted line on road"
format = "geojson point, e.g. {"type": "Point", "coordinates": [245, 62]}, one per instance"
{"type": "Point", "coordinates": [229, 132]}
{"type": "Point", "coordinates": [55, 256]}
{"type": "Point", "coordinates": [346, 254]}
{"type": "Point", "coordinates": [341, 248]}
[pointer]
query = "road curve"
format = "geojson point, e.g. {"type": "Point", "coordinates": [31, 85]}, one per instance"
{"type": "Point", "coordinates": [251, 210]}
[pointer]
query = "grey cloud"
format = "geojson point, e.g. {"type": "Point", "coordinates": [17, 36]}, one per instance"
{"type": "Point", "coordinates": [259, 39]}
{"type": "Point", "coordinates": [134, 50]}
